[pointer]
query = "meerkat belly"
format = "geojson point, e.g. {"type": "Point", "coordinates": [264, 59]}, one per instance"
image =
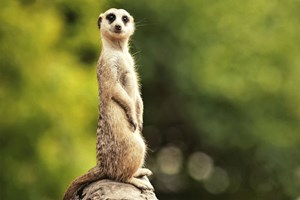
{"type": "Point", "coordinates": [125, 144]}
{"type": "Point", "coordinates": [133, 149]}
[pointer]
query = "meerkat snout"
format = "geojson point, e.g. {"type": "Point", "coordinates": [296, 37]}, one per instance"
{"type": "Point", "coordinates": [118, 28]}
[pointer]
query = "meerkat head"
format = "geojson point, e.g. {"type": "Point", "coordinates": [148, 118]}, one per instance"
{"type": "Point", "coordinates": [116, 24]}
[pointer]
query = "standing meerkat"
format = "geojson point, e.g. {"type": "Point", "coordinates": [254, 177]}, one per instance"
{"type": "Point", "coordinates": [121, 149]}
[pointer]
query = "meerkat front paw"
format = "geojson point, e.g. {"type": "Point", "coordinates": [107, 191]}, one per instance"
{"type": "Point", "coordinates": [141, 128]}
{"type": "Point", "coordinates": [133, 123]}
{"type": "Point", "coordinates": [140, 125]}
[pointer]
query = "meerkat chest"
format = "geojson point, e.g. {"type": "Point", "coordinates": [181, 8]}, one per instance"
{"type": "Point", "coordinates": [121, 67]}
{"type": "Point", "coordinates": [126, 71]}
{"type": "Point", "coordinates": [125, 62]}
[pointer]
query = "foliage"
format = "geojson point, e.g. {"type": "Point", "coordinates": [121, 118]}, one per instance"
{"type": "Point", "coordinates": [220, 87]}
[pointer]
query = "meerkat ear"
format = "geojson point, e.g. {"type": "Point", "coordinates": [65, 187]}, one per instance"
{"type": "Point", "coordinates": [99, 21]}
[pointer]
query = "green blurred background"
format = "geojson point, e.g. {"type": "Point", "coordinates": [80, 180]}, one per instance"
{"type": "Point", "coordinates": [221, 88]}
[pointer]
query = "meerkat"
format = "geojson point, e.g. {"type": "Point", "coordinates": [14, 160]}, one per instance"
{"type": "Point", "coordinates": [120, 147]}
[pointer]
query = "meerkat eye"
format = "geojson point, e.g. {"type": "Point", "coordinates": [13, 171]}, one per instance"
{"type": "Point", "coordinates": [111, 17]}
{"type": "Point", "coordinates": [125, 19]}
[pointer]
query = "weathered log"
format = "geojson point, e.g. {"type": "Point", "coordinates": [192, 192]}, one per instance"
{"type": "Point", "coordinates": [111, 190]}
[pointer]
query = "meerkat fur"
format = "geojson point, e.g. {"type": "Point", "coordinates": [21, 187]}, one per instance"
{"type": "Point", "coordinates": [120, 146]}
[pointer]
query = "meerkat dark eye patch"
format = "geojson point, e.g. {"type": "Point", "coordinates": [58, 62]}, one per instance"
{"type": "Point", "coordinates": [111, 17]}
{"type": "Point", "coordinates": [125, 19]}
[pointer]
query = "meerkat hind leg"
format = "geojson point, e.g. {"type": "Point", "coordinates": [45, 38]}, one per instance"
{"type": "Point", "coordinates": [143, 184]}
{"type": "Point", "coordinates": [139, 180]}
{"type": "Point", "coordinates": [142, 172]}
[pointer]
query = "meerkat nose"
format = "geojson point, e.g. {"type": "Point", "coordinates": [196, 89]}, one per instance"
{"type": "Point", "coordinates": [118, 27]}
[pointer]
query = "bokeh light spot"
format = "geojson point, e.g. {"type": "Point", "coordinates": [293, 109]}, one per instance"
{"type": "Point", "coordinates": [170, 160]}
{"type": "Point", "coordinates": [200, 166]}
{"type": "Point", "coordinates": [297, 174]}
{"type": "Point", "coordinates": [218, 182]}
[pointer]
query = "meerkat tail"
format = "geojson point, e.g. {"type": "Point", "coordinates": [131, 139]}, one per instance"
{"type": "Point", "coordinates": [92, 175]}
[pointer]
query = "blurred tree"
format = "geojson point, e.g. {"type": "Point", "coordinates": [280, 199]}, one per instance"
{"type": "Point", "coordinates": [220, 86]}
